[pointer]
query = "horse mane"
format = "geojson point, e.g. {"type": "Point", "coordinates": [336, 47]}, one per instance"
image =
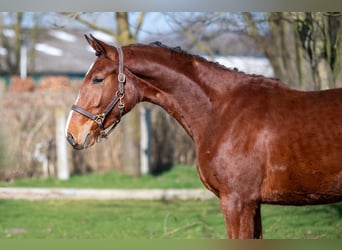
{"type": "Point", "coordinates": [185, 53]}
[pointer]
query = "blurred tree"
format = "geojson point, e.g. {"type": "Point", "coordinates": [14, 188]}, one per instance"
{"type": "Point", "coordinates": [12, 42]}
{"type": "Point", "coordinates": [34, 39]}
{"type": "Point", "coordinates": [303, 48]}
{"type": "Point", "coordinates": [212, 33]}
{"type": "Point", "coordinates": [13, 35]}
{"type": "Point", "coordinates": [123, 30]}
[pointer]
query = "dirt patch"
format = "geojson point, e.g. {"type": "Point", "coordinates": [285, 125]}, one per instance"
{"type": "Point", "coordinates": [16, 230]}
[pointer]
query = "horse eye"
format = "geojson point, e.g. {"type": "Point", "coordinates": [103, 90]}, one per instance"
{"type": "Point", "coordinates": [97, 80]}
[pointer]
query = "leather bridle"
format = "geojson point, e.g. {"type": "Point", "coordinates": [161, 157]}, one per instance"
{"type": "Point", "coordinates": [117, 100]}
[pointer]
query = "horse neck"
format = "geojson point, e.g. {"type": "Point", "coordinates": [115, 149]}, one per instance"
{"type": "Point", "coordinates": [175, 82]}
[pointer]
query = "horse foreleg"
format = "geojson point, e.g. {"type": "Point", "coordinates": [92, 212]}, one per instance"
{"type": "Point", "coordinates": [257, 223]}
{"type": "Point", "coordinates": [243, 219]}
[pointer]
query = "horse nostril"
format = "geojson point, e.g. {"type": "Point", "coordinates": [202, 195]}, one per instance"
{"type": "Point", "coordinates": [71, 139]}
{"type": "Point", "coordinates": [86, 141]}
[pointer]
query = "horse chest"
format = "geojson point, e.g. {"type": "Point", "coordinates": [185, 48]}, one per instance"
{"type": "Point", "coordinates": [225, 170]}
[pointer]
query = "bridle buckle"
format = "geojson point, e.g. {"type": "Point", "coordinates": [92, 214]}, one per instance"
{"type": "Point", "coordinates": [99, 119]}
{"type": "Point", "coordinates": [121, 77]}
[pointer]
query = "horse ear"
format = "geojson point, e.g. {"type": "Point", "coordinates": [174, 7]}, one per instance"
{"type": "Point", "coordinates": [99, 46]}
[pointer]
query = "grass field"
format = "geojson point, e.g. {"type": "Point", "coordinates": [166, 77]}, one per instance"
{"type": "Point", "coordinates": [60, 219]}
{"type": "Point", "coordinates": [156, 220]}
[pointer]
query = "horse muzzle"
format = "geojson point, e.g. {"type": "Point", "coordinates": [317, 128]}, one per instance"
{"type": "Point", "coordinates": [86, 143]}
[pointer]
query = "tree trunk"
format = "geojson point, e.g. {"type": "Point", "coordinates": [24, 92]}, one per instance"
{"type": "Point", "coordinates": [131, 122]}
{"type": "Point", "coordinates": [35, 33]}
{"type": "Point", "coordinates": [333, 25]}
{"type": "Point", "coordinates": [304, 49]}
{"type": "Point", "coordinates": [130, 126]}
{"type": "Point", "coordinates": [17, 42]}
{"type": "Point", "coordinates": [13, 46]}
{"type": "Point", "coordinates": [122, 24]}
{"type": "Point", "coordinates": [145, 139]}
{"type": "Point", "coordinates": [284, 53]}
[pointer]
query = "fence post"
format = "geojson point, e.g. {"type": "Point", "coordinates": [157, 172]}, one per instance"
{"type": "Point", "coordinates": [145, 140]}
{"type": "Point", "coordinates": [2, 143]}
{"type": "Point", "coordinates": [61, 146]}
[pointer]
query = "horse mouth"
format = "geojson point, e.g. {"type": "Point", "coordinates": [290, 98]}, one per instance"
{"type": "Point", "coordinates": [75, 145]}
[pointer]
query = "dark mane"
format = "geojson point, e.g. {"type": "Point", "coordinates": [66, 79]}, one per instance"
{"type": "Point", "coordinates": [178, 49]}
{"type": "Point", "coordinates": [161, 45]}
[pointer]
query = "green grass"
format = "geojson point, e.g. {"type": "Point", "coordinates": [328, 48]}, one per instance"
{"type": "Point", "coordinates": [178, 177]}
{"type": "Point", "coordinates": [110, 219]}
{"type": "Point", "coordinates": [150, 219]}
{"type": "Point", "coordinates": [306, 222]}
{"type": "Point", "coordinates": [155, 220]}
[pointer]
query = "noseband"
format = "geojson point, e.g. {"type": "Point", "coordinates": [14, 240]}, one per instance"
{"type": "Point", "coordinates": [118, 99]}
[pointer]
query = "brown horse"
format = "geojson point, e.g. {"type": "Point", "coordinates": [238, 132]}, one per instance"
{"type": "Point", "coordinates": [257, 141]}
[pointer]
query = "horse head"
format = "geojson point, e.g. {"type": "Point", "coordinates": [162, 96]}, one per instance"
{"type": "Point", "coordinates": [104, 97]}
